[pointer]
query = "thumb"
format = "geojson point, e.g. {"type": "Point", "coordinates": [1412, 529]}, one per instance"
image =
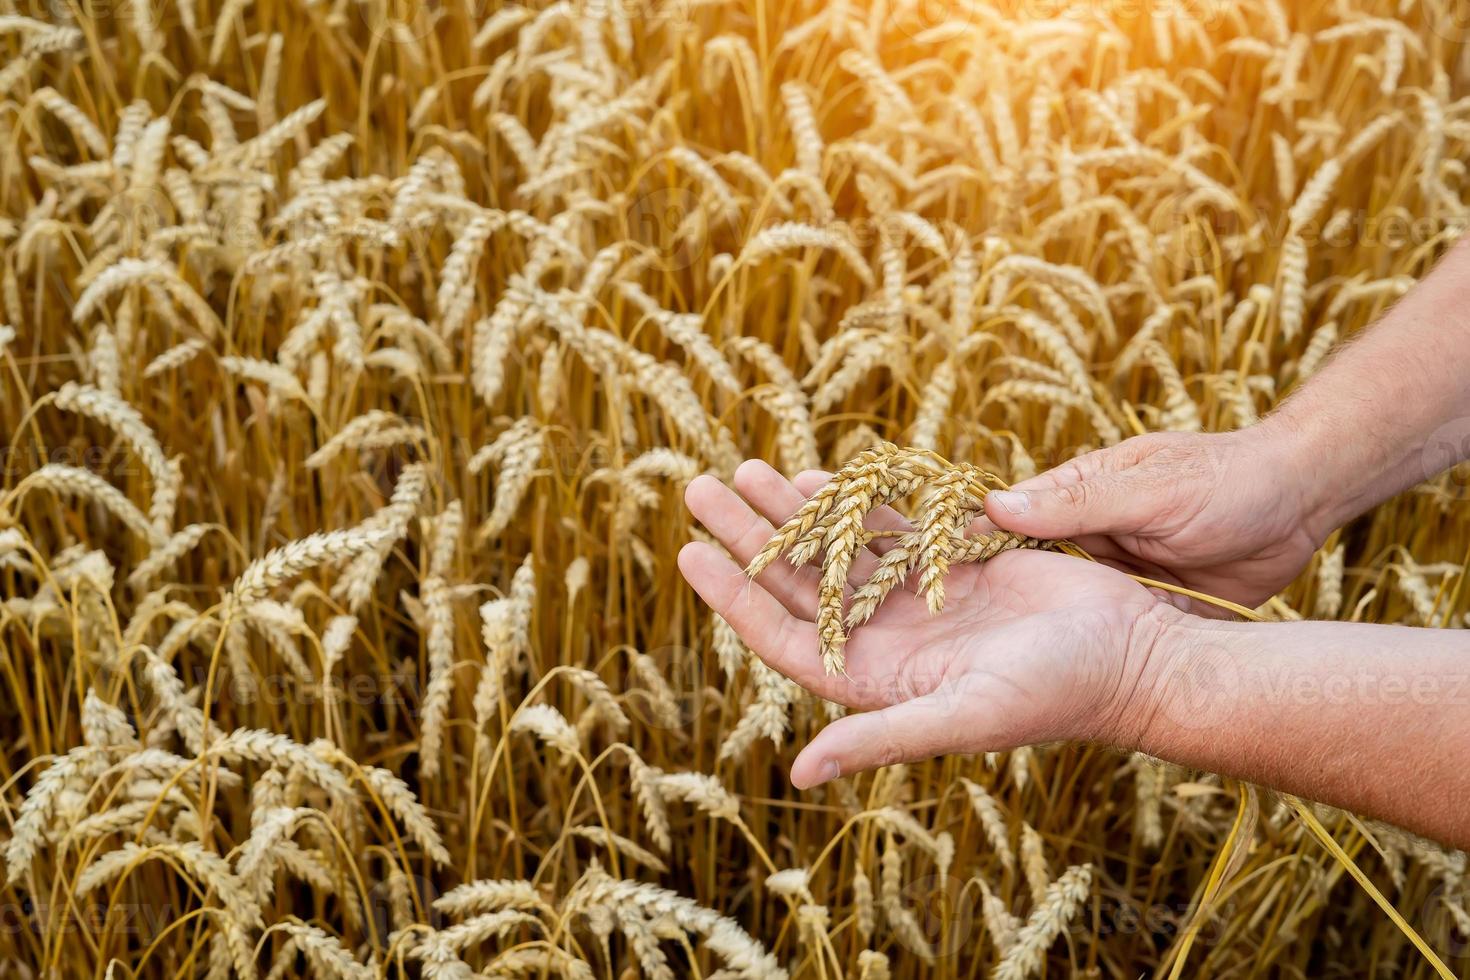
{"type": "Point", "coordinates": [909, 731]}
{"type": "Point", "coordinates": [1106, 503]}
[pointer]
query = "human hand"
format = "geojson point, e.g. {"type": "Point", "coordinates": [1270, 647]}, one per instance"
{"type": "Point", "coordinates": [1220, 514]}
{"type": "Point", "coordinates": [1031, 646]}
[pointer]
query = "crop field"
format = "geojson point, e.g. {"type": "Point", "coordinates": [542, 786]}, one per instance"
{"type": "Point", "coordinates": [355, 357]}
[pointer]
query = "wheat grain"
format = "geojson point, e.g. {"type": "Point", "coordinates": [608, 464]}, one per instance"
{"type": "Point", "coordinates": [999, 922]}
{"type": "Point", "coordinates": [796, 442]}
{"type": "Point", "coordinates": [1070, 281]}
{"type": "Point", "coordinates": [623, 846]}
{"type": "Point", "coordinates": [1150, 783]}
{"type": "Point", "coordinates": [439, 639]}
{"type": "Point", "coordinates": [701, 789]}
{"type": "Point", "coordinates": [110, 410]}
{"type": "Point", "coordinates": [993, 822]}
{"type": "Point", "coordinates": [386, 527]}
{"type": "Point", "coordinates": [168, 552]}
{"type": "Point", "coordinates": [1033, 863]}
{"type": "Point", "coordinates": [952, 500]}
{"type": "Point", "coordinates": [351, 436]}
{"type": "Point", "coordinates": [548, 725]}
{"type": "Point", "coordinates": [517, 451]}
{"type": "Point", "coordinates": [271, 748]}
{"type": "Point", "coordinates": [280, 382]}
{"type": "Point", "coordinates": [900, 919]}
{"type": "Point", "coordinates": [686, 331]}
{"type": "Point", "coordinates": [286, 562]}
{"type": "Point", "coordinates": [271, 828]}
{"type": "Point", "coordinates": [82, 128]}
{"type": "Point", "coordinates": [790, 235]}
{"type": "Point", "coordinates": [35, 812]}
{"type": "Point", "coordinates": [805, 135]}
{"type": "Point", "coordinates": [1329, 584]}
{"type": "Point", "coordinates": [1061, 902]}
{"type": "Point", "coordinates": [173, 358]}
{"type": "Point", "coordinates": [326, 954]}
{"type": "Point", "coordinates": [1285, 163]}
{"type": "Point", "coordinates": [1293, 287]}
{"type": "Point", "coordinates": [209, 869]}
{"type": "Point", "coordinates": [76, 482]}
{"type": "Point", "coordinates": [394, 793]}
{"type": "Point", "coordinates": [1179, 411]}
{"type": "Point", "coordinates": [722, 936]}
{"type": "Point", "coordinates": [872, 965]}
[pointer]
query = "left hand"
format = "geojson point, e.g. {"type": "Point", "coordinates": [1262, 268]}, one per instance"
{"type": "Point", "coordinates": [1030, 647]}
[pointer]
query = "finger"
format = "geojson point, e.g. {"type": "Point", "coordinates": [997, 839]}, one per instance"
{"type": "Point", "coordinates": [1108, 503]}
{"type": "Point", "coordinates": [778, 498]}
{"type": "Point", "coordinates": [1101, 492]}
{"type": "Point", "coordinates": [1074, 470]}
{"type": "Point", "coordinates": [744, 532]}
{"type": "Point", "coordinates": [980, 525]}
{"type": "Point", "coordinates": [882, 518]}
{"type": "Point", "coordinates": [785, 643]}
{"type": "Point", "coordinates": [1115, 554]}
{"type": "Point", "coordinates": [909, 731]}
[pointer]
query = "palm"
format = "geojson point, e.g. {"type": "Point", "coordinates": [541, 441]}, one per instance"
{"type": "Point", "coordinates": [1023, 640]}
{"type": "Point", "coordinates": [980, 599]}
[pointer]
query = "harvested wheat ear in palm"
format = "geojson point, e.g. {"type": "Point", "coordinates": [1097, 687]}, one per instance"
{"type": "Point", "coordinates": [832, 523]}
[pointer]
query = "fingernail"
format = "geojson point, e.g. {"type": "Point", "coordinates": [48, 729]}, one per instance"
{"type": "Point", "coordinates": [830, 771]}
{"type": "Point", "coordinates": [1014, 501]}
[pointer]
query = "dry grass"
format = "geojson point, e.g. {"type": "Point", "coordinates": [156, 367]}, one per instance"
{"type": "Point", "coordinates": [354, 357]}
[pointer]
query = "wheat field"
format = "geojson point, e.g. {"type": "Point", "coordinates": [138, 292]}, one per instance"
{"type": "Point", "coordinates": [356, 354]}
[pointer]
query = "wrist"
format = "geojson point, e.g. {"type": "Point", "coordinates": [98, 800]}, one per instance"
{"type": "Point", "coordinates": [1187, 682]}
{"type": "Point", "coordinates": [1286, 450]}
{"type": "Point", "coordinates": [1152, 643]}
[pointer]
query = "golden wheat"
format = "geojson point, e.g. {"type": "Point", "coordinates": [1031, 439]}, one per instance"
{"type": "Point", "coordinates": [321, 320]}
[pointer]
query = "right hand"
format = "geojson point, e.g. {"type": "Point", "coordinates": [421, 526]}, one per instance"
{"type": "Point", "coordinates": [1224, 514]}
{"type": "Point", "coordinates": [1032, 646]}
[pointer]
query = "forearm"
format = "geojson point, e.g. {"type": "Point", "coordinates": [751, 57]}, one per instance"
{"type": "Point", "coordinates": [1375, 719]}
{"type": "Point", "coordinates": [1391, 408]}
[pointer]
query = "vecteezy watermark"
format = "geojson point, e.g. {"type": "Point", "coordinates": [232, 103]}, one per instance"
{"type": "Point", "coordinates": [674, 216]}
{"type": "Point", "coordinates": [675, 697]}
{"type": "Point", "coordinates": [1192, 230]}
{"type": "Point", "coordinates": [933, 21]}
{"type": "Point", "coordinates": [1449, 19]}
{"type": "Point", "coordinates": [276, 688]}
{"type": "Point", "coordinates": [1440, 922]}
{"type": "Point", "coordinates": [1201, 690]}
{"type": "Point", "coordinates": [1206, 688]}
{"type": "Point", "coordinates": [405, 21]}
{"type": "Point", "coordinates": [942, 911]}
{"type": "Point", "coordinates": [1446, 449]}
{"type": "Point", "coordinates": [411, 21]}
{"type": "Point", "coordinates": [938, 21]}
{"type": "Point", "coordinates": [140, 920]}
{"type": "Point", "coordinates": [1198, 230]}
{"type": "Point", "coordinates": [109, 462]}
{"type": "Point", "coordinates": [147, 14]}
{"type": "Point", "coordinates": [1285, 685]}
{"type": "Point", "coordinates": [1205, 12]}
